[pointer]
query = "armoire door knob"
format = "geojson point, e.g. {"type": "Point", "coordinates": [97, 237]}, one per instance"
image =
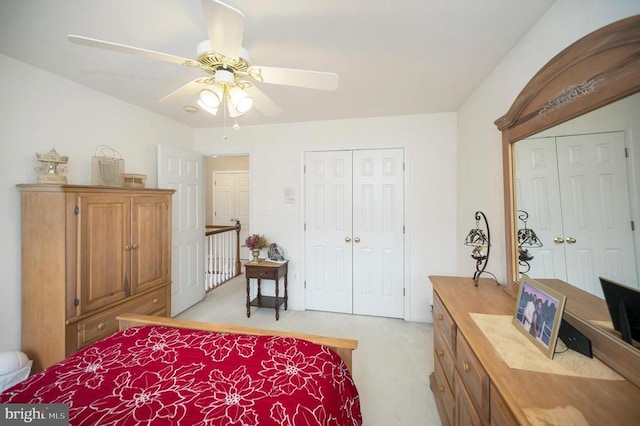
{"type": "Point", "coordinates": [356, 239]}
{"type": "Point", "coordinates": [347, 239]}
{"type": "Point", "coordinates": [570, 240]}
{"type": "Point", "coordinates": [558, 240]}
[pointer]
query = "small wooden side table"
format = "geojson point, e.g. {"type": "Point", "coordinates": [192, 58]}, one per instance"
{"type": "Point", "coordinates": [267, 270]}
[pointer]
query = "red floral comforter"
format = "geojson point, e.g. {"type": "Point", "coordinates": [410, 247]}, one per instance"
{"type": "Point", "coordinates": [161, 375]}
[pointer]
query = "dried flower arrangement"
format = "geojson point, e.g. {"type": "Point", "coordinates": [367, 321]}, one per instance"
{"type": "Point", "coordinates": [255, 242]}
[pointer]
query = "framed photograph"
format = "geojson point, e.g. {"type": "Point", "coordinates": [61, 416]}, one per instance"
{"type": "Point", "coordinates": [538, 314]}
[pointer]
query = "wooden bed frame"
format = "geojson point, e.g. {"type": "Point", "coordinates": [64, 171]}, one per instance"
{"type": "Point", "coordinates": [343, 347]}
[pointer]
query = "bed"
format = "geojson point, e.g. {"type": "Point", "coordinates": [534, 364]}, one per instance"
{"type": "Point", "coordinates": [166, 371]}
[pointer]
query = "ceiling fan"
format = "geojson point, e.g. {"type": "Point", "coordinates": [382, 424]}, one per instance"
{"type": "Point", "coordinates": [230, 76]}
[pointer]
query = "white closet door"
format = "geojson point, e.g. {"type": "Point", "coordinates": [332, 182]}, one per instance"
{"type": "Point", "coordinates": [378, 236]}
{"type": "Point", "coordinates": [328, 233]}
{"type": "Point", "coordinates": [596, 210]}
{"type": "Point", "coordinates": [354, 236]}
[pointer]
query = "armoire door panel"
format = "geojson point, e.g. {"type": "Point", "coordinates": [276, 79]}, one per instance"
{"type": "Point", "coordinates": [149, 252]}
{"type": "Point", "coordinates": [104, 236]}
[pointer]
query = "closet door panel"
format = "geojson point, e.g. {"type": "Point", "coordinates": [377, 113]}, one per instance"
{"type": "Point", "coordinates": [378, 235]}
{"type": "Point", "coordinates": [538, 194]}
{"type": "Point", "coordinates": [328, 247]}
{"type": "Point", "coordinates": [596, 210]}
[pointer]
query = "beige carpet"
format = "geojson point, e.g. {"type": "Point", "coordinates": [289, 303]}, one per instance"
{"type": "Point", "coordinates": [391, 365]}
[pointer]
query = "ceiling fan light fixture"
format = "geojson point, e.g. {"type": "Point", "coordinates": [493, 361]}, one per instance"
{"type": "Point", "coordinates": [240, 100]}
{"type": "Point", "coordinates": [205, 107]}
{"type": "Point", "coordinates": [224, 77]}
{"type": "Point", "coordinates": [211, 97]}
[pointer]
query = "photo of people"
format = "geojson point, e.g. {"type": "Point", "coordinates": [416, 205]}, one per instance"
{"type": "Point", "coordinates": [536, 312]}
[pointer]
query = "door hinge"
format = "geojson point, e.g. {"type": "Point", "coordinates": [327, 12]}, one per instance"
{"type": "Point", "coordinates": [76, 211]}
{"type": "Point", "coordinates": [304, 169]}
{"type": "Point", "coordinates": [304, 228]}
{"type": "Point", "coordinates": [305, 284]}
{"type": "Point", "coordinates": [76, 302]}
{"type": "Point", "coordinates": [633, 225]}
{"type": "Point", "coordinates": [626, 152]}
{"type": "Point", "coordinates": [404, 292]}
{"type": "Point", "coordinates": [404, 231]}
{"type": "Point", "coordinates": [404, 166]}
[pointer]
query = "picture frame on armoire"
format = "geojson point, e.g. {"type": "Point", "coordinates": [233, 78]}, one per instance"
{"type": "Point", "coordinates": [538, 314]}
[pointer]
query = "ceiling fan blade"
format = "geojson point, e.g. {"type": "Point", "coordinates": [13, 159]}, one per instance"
{"type": "Point", "coordinates": [293, 77]}
{"type": "Point", "coordinates": [225, 26]}
{"type": "Point", "coordinates": [187, 94]}
{"type": "Point", "coordinates": [262, 102]}
{"type": "Point", "coordinates": [115, 47]}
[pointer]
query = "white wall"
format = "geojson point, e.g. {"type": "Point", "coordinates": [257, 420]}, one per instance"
{"type": "Point", "coordinates": [276, 158]}
{"type": "Point", "coordinates": [40, 111]}
{"type": "Point", "coordinates": [479, 142]}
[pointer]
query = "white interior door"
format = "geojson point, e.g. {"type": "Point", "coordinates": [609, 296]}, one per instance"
{"type": "Point", "coordinates": [354, 236]}
{"type": "Point", "coordinates": [596, 209]}
{"type": "Point", "coordinates": [231, 201]}
{"type": "Point", "coordinates": [183, 171]}
{"type": "Point", "coordinates": [328, 248]}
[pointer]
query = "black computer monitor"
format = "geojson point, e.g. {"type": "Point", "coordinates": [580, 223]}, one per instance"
{"type": "Point", "coordinates": [624, 307]}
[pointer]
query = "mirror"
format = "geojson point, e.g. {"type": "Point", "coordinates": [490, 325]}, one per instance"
{"type": "Point", "coordinates": [576, 188]}
{"type": "Point", "coordinates": [601, 68]}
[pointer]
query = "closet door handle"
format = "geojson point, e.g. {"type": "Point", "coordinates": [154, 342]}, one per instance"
{"type": "Point", "coordinates": [356, 239]}
{"type": "Point", "coordinates": [347, 239]}
{"type": "Point", "coordinates": [558, 240]}
{"type": "Point", "coordinates": [135, 246]}
{"type": "Point", "coordinates": [570, 240]}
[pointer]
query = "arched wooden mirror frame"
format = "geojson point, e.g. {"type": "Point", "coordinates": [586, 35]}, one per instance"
{"type": "Point", "coordinates": [600, 68]}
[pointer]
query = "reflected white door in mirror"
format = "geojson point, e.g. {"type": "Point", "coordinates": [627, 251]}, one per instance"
{"type": "Point", "coordinates": [576, 191]}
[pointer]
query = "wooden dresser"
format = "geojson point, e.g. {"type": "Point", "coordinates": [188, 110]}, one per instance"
{"type": "Point", "coordinates": [472, 385]}
{"type": "Point", "coordinates": [89, 254]}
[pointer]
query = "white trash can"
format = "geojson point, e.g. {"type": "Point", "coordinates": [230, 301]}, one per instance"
{"type": "Point", "coordinates": [15, 366]}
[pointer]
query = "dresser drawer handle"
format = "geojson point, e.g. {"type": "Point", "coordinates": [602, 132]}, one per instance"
{"type": "Point", "coordinates": [262, 274]}
{"type": "Point", "coordinates": [440, 353]}
{"type": "Point", "coordinates": [440, 317]}
{"type": "Point", "coordinates": [155, 301]}
{"type": "Point", "coordinates": [442, 388]}
{"type": "Point", "coordinates": [101, 326]}
{"type": "Point", "coordinates": [465, 366]}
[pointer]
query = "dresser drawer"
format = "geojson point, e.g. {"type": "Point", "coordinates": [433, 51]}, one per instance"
{"type": "Point", "coordinates": [104, 324]}
{"type": "Point", "coordinates": [500, 413]}
{"type": "Point", "coordinates": [442, 391]}
{"type": "Point", "coordinates": [445, 356]}
{"type": "Point", "coordinates": [473, 377]}
{"type": "Point", "coordinates": [444, 324]}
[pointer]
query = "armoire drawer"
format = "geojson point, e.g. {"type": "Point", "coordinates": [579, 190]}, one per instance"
{"type": "Point", "coordinates": [473, 377]}
{"type": "Point", "coordinates": [444, 324]}
{"type": "Point", "coordinates": [104, 324]}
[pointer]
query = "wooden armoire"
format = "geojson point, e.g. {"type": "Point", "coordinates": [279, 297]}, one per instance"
{"type": "Point", "coordinates": [89, 254]}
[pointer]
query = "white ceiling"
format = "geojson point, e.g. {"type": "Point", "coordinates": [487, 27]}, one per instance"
{"type": "Point", "coordinates": [393, 57]}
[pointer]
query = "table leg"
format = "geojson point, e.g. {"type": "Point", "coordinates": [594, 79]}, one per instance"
{"type": "Point", "coordinates": [276, 301]}
{"type": "Point", "coordinates": [286, 295]}
{"type": "Point", "coordinates": [248, 299]}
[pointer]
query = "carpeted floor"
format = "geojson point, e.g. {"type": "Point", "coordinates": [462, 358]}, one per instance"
{"type": "Point", "coordinates": [391, 365]}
